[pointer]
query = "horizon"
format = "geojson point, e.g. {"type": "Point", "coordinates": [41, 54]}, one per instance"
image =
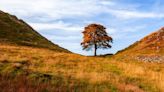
{"type": "Point", "coordinates": [127, 21]}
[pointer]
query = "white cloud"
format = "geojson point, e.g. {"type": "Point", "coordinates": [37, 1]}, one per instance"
{"type": "Point", "coordinates": [57, 26]}
{"type": "Point", "coordinates": [56, 9]}
{"type": "Point", "coordinates": [106, 2]}
{"type": "Point", "coordinates": [111, 30]}
{"type": "Point", "coordinates": [127, 14]}
{"type": "Point", "coordinates": [66, 38]}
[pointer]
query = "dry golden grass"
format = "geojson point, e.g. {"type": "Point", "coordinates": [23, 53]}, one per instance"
{"type": "Point", "coordinates": [72, 72]}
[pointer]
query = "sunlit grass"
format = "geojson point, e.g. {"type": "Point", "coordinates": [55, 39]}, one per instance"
{"type": "Point", "coordinates": [55, 71]}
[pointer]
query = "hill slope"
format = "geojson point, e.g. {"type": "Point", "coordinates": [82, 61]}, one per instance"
{"type": "Point", "coordinates": [150, 48]}
{"type": "Point", "coordinates": [16, 31]}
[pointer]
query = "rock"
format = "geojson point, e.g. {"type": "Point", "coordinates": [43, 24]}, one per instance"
{"type": "Point", "coordinates": [17, 65]}
{"type": "Point", "coordinates": [154, 58]}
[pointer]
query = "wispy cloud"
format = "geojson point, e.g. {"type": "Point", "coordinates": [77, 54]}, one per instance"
{"type": "Point", "coordinates": [56, 26]}
{"type": "Point", "coordinates": [55, 9]}
{"type": "Point", "coordinates": [58, 9]}
{"type": "Point", "coordinates": [128, 14]}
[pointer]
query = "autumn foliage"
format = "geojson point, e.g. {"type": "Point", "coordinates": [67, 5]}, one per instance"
{"type": "Point", "coordinates": [95, 35]}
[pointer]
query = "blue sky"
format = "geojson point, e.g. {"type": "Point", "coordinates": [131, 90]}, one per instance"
{"type": "Point", "coordinates": [62, 21]}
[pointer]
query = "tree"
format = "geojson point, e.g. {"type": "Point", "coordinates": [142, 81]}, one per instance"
{"type": "Point", "coordinates": [95, 35]}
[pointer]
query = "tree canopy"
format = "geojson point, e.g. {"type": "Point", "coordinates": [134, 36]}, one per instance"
{"type": "Point", "coordinates": [95, 35]}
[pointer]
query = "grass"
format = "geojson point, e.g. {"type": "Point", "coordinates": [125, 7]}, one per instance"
{"type": "Point", "coordinates": [41, 70]}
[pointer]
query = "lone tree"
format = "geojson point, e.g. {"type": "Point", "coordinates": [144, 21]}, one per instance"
{"type": "Point", "coordinates": [95, 35]}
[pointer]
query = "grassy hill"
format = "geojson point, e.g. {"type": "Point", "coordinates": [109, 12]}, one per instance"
{"type": "Point", "coordinates": [16, 31]}
{"type": "Point", "coordinates": [150, 48]}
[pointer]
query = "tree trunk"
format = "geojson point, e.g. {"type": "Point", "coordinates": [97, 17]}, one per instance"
{"type": "Point", "coordinates": [95, 52]}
